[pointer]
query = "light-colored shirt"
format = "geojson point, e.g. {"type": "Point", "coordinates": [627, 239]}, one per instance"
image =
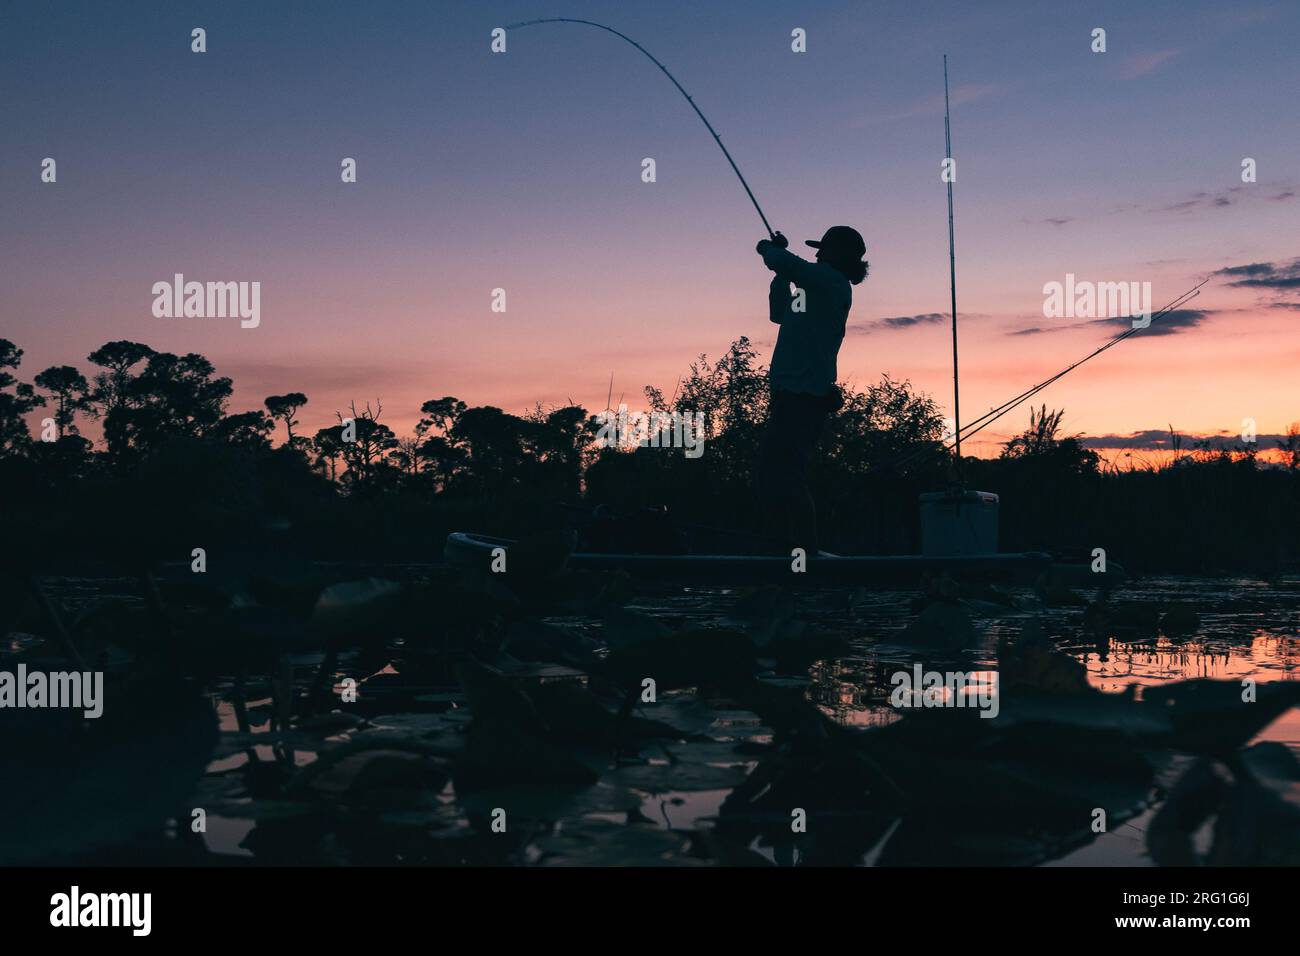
{"type": "Point", "coordinates": [809, 341]}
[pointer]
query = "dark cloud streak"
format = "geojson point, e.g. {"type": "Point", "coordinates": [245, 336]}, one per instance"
{"type": "Point", "coordinates": [900, 321]}
{"type": "Point", "coordinates": [1168, 324]}
{"type": "Point", "coordinates": [1159, 439]}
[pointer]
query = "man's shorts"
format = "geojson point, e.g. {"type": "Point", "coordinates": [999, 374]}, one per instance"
{"type": "Point", "coordinates": [794, 426]}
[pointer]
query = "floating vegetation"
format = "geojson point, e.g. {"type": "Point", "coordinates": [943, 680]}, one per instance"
{"type": "Point", "coordinates": [439, 717]}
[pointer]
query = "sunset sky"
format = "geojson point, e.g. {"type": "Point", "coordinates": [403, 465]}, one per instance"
{"type": "Point", "coordinates": [523, 171]}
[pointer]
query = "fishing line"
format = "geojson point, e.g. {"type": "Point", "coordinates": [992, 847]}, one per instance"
{"type": "Point", "coordinates": [993, 414]}
{"type": "Point", "coordinates": [623, 36]}
{"type": "Point", "coordinates": [1000, 410]}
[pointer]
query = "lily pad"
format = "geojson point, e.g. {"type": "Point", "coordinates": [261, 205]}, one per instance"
{"type": "Point", "coordinates": [550, 802]}
{"type": "Point", "coordinates": [684, 776]}
{"type": "Point", "coordinates": [600, 843]}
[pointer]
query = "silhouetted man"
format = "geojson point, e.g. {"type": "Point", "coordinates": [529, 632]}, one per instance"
{"type": "Point", "coordinates": [803, 371]}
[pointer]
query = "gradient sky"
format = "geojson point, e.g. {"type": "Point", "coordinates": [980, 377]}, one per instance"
{"type": "Point", "coordinates": [522, 171]}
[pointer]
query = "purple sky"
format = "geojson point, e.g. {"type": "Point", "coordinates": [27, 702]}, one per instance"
{"type": "Point", "coordinates": [522, 171]}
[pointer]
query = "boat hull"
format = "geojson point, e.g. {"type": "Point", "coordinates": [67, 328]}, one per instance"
{"type": "Point", "coordinates": [474, 550]}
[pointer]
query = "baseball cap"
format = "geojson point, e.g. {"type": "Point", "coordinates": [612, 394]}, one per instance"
{"type": "Point", "coordinates": [842, 240]}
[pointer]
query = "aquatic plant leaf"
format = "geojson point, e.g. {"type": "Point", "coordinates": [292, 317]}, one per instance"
{"type": "Point", "coordinates": [1274, 766]}
{"type": "Point", "coordinates": [600, 843]}
{"type": "Point", "coordinates": [682, 776]}
{"type": "Point", "coordinates": [689, 658]}
{"type": "Point", "coordinates": [1211, 716]}
{"type": "Point", "coordinates": [942, 624]}
{"type": "Point", "coordinates": [350, 774]}
{"type": "Point", "coordinates": [355, 609]}
{"type": "Point", "coordinates": [549, 802]}
{"type": "Point", "coordinates": [336, 721]}
{"type": "Point", "coordinates": [494, 697]}
{"type": "Point", "coordinates": [245, 635]}
{"type": "Point", "coordinates": [625, 628]}
{"type": "Point", "coordinates": [261, 810]}
{"type": "Point", "coordinates": [533, 640]}
{"type": "Point", "coordinates": [91, 785]}
{"type": "Point", "coordinates": [573, 713]}
{"type": "Point", "coordinates": [686, 714]}
{"type": "Point", "coordinates": [767, 615]}
{"type": "Point", "coordinates": [1094, 711]}
{"type": "Point", "coordinates": [1033, 663]}
{"type": "Point", "coordinates": [500, 752]}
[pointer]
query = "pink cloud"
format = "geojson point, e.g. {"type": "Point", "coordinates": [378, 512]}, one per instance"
{"type": "Point", "coordinates": [1140, 64]}
{"type": "Point", "coordinates": [933, 105]}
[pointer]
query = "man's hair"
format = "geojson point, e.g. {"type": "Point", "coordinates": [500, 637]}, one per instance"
{"type": "Point", "coordinates": [854, 270]}
{"type": "Point", "coordinates": [857, 271]}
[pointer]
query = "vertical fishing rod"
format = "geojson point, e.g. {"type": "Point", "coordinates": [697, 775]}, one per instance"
{"type": "Point", "coordinates": [952, 273]}
{"type": "Point", "coordinates": [680, 89]}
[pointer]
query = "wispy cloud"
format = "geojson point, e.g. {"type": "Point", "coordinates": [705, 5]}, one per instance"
{"type": "Point", "coordinates": [1140, 64]}
{"type": "Point", "coordinates": [1276, 281]}
{"type": "Point", "coordinates": [933, 105]}
{"type": "Point", "coordinates": [1199, 201]}
{"type": "Point", "coordinates": [1218, 199]}
{"type": "Point", "coordinates": [1169, 324]}
{"type": "Point", "coordinates": [900, 321]}
{"type": "Point", "coordinates": [1159, 439]}
{"type": "Point", "coordinates": [1274, 276]}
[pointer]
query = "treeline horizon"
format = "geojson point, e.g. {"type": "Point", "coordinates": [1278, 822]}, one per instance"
{"type": "Point", "coordinates": [174, 464]}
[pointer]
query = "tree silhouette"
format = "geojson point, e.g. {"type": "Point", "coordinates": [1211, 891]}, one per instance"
{"type": "Point", "coordinates": [16, 403]}
{"type": "Point", "coordinates": [439, 414]}
{"type": "Point", "coordinates": [176, 396]}
{"type": "Point", "coordinates": [177, 463]}
{"type": "Point", "coordinates": [440, 457]}
{"type": "Point", "coordinates": [493, 444]}
{"type": "Point", "coordinates": [370, 443]}
{"type": "Point", "coordinates": [248, 429]}
{"type": "Point", "coordinates": [284, 408]}
{"type": "Point", "coordinates": [1290, 446]}
{"type": "Point", "coordinates": [559, 442]}
{"type": "Point", "coordinates": [70, 391]}
{"type": "Point", "coordinates": [327, 446]}
{"type": "Point", "coordinates": [109, 388]}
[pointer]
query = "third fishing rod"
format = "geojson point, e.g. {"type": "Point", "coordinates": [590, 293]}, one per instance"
{"type": "Point", "coordinates": [993, 414]}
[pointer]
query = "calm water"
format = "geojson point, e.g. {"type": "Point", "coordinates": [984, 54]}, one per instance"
{"type": "Point", "coordinates": [1248, 629]}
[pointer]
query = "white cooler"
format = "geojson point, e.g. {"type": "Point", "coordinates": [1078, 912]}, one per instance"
{"type": "Point", "coordinates": [959, 522]}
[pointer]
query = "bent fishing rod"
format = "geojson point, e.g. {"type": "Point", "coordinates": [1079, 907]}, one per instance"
{"type": "Point", "coordinates": [718, 139]}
